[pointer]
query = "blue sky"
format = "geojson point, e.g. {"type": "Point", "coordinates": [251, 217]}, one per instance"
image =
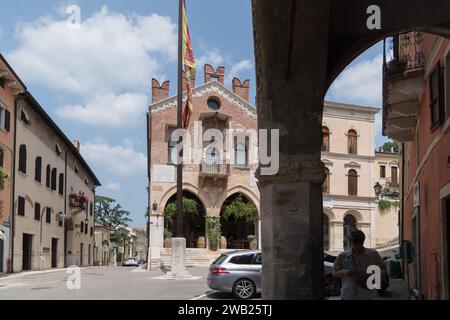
{"type": "Point", "coordinates": [95, 81]}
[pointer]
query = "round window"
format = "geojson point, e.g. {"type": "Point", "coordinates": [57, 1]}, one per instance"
{"type": "Point", "coordinates": [214, 103]}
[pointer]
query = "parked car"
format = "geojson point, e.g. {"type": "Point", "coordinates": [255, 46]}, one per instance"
{"type": "Point", "coordinates": [239, 273]}
{"type": "Point", "coordinates": [130, 262]}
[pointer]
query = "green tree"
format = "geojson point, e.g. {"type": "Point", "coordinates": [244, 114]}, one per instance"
{"type": "Point", "coordinates": [387, 146]}
{"type": "Point", "coordinates": [110, 213]}
{"type": "Point", "coordinates": [240, 209]}
{"type": "Point", "coordinates": [190, 206]}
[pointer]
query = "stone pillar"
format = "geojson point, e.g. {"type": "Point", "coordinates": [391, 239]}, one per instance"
{"type": "Point", "coordinates": [156, 240]}
{"type": "Point", "coordinates": [338, 235]}
{"type": "Point", "coordinates": [291, 56]}
{"type": "Point", "coordinates": [178, 265]}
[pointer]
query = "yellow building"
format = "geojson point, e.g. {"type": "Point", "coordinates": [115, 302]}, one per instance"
{"type": "Point", "coordinates": [103, 245]}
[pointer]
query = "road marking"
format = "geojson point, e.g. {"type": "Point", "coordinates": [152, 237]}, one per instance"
{"type": "Point", "coordinates": [202, 296]}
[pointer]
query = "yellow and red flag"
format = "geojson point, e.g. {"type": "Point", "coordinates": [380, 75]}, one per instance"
{"type": "Point", "coordinates": [189, 67]}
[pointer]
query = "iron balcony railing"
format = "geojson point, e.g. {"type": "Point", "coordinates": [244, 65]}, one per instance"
{"type": "Point", "coordinates": [215, 168]}
{"type": "Point", "coordinates": [403, 52]}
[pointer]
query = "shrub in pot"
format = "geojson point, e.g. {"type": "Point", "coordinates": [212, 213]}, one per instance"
{"type": "Point", "coordinates": [253, 242]}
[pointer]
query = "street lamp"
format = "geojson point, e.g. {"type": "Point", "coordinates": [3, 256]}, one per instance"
{"type": "Point", "coordinates": [377, 187]}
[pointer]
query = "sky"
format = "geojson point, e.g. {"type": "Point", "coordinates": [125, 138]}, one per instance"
{"type": "Point", "coordinates": [95, 80]}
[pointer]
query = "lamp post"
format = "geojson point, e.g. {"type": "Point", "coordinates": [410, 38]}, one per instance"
{"type": "Point", "coordinates": [377, 187]}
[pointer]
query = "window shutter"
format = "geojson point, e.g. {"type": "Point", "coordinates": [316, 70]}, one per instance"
{"type": "Point", "coordinates": [7, 120]}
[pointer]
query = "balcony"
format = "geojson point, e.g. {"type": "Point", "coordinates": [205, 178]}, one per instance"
{"type": "Point", "coordinates": [214, 169]}
{"type": "Point", "coordinates": [403, 84]}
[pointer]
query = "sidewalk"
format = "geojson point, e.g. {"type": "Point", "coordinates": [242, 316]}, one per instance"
{"type": "Point", "coordinates": [8, 276]}
{"type": "Point", "coordinates": [398, 290]}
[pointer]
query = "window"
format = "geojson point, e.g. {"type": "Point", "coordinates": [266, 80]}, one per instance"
{"type": "Point", "coordinates": [47, 176]}
{"type": "Point", "coordinates": [326, 183]}
{"type": "Point", "coordinates": [214, 103]}
{"type": "Point", "coordinates": [38, 169]}
{"type": "Point", "coordinates": [352, 183]}
{"type": "Point", "coordinates": [436, 87]}
{"type": "Point", "coordinates": [240, 155]}
{"type": "Point", "coordinates": [60, 222]}
{"type": "Point", "coordinates": [21, 206]}
{"type": "Point", "coordinates": [48, 215]}
{"type": "Point", "coordinates": [37, 211]}
{"type": "Point", "coordinates": [61, 183]}
{"type": "Point", "coordinates": [242, 259]}
{"type": "Point", "coordinates": [82, 227]}
{"type": "Point", "coordinates": [57, 149]}
{"type": "Point", "coordinates": [91, 209]}
{"type": "Point", "coordinates": [86, 227]}
{"type": "Point", "coordinates": [76, 169]}
{"type": "Point", "coordinates": [382, 171]}
{"type": "Point", "coordinates": [86, 181]}
{"type": "Point", "coordinates": [5, 119]}
{"type": "Point", "coordinates": [352, 142]}
{"type": "Point", "coordinates": [172, 151]}
{"type": "Point", "coordinates": [258, 259]}
{"type": "Point", "coordinates": [2, 157]}
{"type": "Point", "coordinates": [54, 175]}
{"type": "Point", "coordinates": [325, 139]}
{"type": "Point", "coordinates": [92, 231]}
{"type": "Point", "coordinates": [394, 176]}
{"type": "Point", "coordinates": [23, 158]}
{"type": "Point", "coordinates": [349, 227]}
{"type": "Point", "coordinates": [24, 117]}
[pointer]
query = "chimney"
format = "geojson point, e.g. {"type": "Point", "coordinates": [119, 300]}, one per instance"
{"type": "Point", "coordinates": [241, 90]}
{"type": "Point", "coordinates": [210, 74]}
{"type": "Point", "coordinates": [159, 92]}
{"type": "Point", "coordinates": [77, 145]}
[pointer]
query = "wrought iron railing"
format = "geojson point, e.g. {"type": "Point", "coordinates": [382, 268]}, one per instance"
{"type": "Point", "coordinates": [403, 52]}
{"type": "Point", "coordinates": [215, 168]}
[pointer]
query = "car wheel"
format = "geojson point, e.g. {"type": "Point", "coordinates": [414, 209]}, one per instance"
{"type": "Point", "coordinates": [332, 286]}
{"type": "Point", "coordinates": [244, 289]}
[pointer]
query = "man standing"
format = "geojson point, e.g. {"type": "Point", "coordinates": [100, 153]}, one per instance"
{"type": "Point", "coordinates": [351, 267]}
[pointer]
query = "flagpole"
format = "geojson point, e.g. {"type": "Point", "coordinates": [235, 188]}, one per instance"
{"type": "Point", "coordinates": [179, 217]}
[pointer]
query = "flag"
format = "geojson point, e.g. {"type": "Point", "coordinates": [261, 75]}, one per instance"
{"type": "Point", "coordinates": [189, 67]}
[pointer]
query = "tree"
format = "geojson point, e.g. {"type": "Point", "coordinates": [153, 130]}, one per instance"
{"type": "Point", "coordinates": [387, 146]}
{"type": "Point", "coordinates": [240, 209]}
{"type": "Point", "coordinates": [109, 213]}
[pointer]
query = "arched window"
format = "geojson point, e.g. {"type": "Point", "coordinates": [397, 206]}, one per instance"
{"type": "Point", "coordinates": [2, 157]}
{"type": "Point", "coordinates": [240, 155]}
{"type": "Point", "coordinates": [326, 183]}
{"type": "Point", "coordinates": [38, 169]}
{"type": "Point", "coordinates": [352, 142]}
{"type": "Point", "coordinates": [326, 232]}
{"type": "Point", "coordinates": [61, 183]}
{"type": "Point", "coordinates": [47, 176]}
{"type": "Point", "coordinates": [325, 139]}
{"type": "Point", "coordinates": [349, 226]}
{"type": "Point", "coordinates": [352, 183]}
{"type": "Point", "coordinates": [23, 158]}
{"type": "Point", "coordinates": [54, 174]}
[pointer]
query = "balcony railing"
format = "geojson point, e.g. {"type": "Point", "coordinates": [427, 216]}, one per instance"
{"type": "Point", "coordinates": [220, 169]}
{"type": "Point", "coordinates": [404, 53]}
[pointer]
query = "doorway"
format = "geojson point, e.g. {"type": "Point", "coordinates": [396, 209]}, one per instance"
{"type": "Point", "coordinates": [54, 253]}
{"type": "Point", "coordinates": [26, 251]}
{"type": "Point", "coordinates": [89, 255]}
{"type": "Point", "coordinates": [349, 227]}
{"type": "Point", "coordinates": [81, 254]}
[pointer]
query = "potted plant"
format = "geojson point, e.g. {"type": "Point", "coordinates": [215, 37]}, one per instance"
{"type": "Point", "coordinates": [167, 238]}
{"type": "Point", "coordinates": [253, 242]}
{"type": "Point", "coordinates": [214, 232]}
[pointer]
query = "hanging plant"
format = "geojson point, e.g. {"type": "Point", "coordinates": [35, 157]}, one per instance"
{"type": "Point", "coordinates": [190, 206]}
{"type": "Point", "coordinates": [240, 210]}
{"type": "Point", "coordinates": [78, 200]}
{"type": "Point", "coordinates": [4, 178]}
{"type": "Point", "coordinates": [386, 204]}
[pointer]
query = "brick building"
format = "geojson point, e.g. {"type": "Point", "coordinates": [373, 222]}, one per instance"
{"type": "Point", "coordinates": [416, 113]}
{"type": "Point", "coordinates": [213, 180]}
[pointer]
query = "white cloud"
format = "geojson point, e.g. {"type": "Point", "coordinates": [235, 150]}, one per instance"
{"type": "Point", "coordinates": [113, 186]}
{"type": "Point", "coordinates": [360, 82]}
{"type": "Point", "coordinates": [109, 110]}
{"type": "Point", "coordinates": [237, 68]}
{"type": "Point", "coordinates": [213, 57]}
{"type": "Point", "coordinates": [110, 52]}
{"type": "Point", "coordinates": [119, 160]}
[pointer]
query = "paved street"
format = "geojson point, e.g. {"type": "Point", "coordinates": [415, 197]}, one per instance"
{"type": "Point", "coordinates": [108, 283]}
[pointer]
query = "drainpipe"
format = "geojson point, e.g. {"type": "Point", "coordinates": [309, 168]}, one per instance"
{"type": "Point", "coordinates": [65, 209]}
{"type": "Point", "coordinates": [13, 210]}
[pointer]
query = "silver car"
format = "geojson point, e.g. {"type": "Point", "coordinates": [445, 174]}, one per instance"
{"type": "Point", "coordinates": [237, 272]}
{"type": "Point", "coordinates": [130, 262]}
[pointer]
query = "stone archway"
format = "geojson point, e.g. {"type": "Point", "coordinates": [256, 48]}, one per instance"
{"type": "Point", "coordinates": [194, 225]}
{"type": "Point", "coordinates": [294, 69]}
{"type": "Point", "coordinates": [236, 230]}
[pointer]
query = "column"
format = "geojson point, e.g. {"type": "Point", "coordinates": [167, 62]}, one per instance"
{"type": "Point", "coordinates": [291, 69]}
